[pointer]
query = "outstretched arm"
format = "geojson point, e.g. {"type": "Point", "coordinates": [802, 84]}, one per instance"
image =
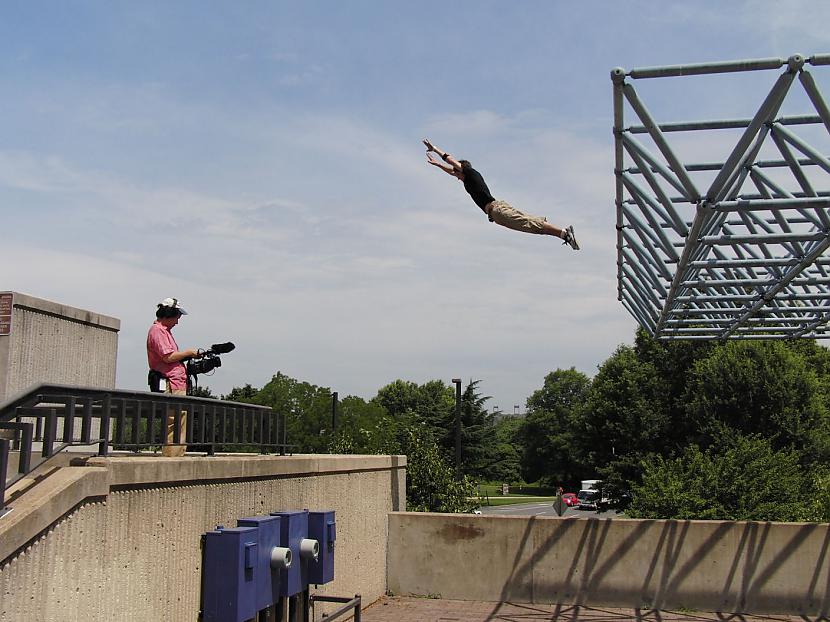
{"type": "Point", "coordinates": [447, 168]}
{"type": "Point", "coordinates": [449, 165]}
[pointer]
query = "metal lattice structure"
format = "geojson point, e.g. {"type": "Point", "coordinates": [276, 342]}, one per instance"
{"type": "Point", "coordinates": [733, 248]}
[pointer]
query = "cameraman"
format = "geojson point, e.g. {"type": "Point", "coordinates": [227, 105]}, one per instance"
{"type": "Point", "coordinates": [165, 358]}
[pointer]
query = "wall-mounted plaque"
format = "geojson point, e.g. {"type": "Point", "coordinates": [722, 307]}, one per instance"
{"type": "Point", "coordinates": [6, 302]}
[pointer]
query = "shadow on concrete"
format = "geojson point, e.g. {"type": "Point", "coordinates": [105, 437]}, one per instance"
{"type": "Point", "coordinates": [753, 568]}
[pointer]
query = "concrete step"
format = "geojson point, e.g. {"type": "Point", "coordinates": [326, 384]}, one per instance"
{"type": "Point", "coordinates": [42, 468]}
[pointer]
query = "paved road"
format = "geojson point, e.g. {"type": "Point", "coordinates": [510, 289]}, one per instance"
{"type": "Point", "coordinates": [542, 509]}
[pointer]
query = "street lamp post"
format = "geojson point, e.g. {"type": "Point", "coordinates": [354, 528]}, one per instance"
{"type": "Point", "coordinates": [457, 382]}
{"type": "Point", "coordinates": [334, 400]}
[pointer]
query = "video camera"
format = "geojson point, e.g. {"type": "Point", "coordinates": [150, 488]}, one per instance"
{"type": "Point", "coordinates": [205, 361]}
{"type": "Point", "coordinates": [208, 360]}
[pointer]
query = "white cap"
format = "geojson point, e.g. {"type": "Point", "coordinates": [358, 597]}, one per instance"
{"type": "Point", "coordinates": [172, 302]}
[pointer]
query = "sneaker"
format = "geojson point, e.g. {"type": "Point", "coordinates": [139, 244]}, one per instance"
{"type": "Point", "coordinates": [570, 238]}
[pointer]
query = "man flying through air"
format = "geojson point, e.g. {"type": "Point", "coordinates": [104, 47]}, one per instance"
{"type": "Point", "coordinates": [499, 212]}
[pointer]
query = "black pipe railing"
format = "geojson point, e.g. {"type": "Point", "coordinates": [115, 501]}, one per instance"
{"type": "Point", "coordinates": [128, 420]}
{"type": "Point", "coordinates": [350, 606]}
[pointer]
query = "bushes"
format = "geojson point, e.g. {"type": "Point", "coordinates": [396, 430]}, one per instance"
{"type": "Point", "coordinates": [740, 478]}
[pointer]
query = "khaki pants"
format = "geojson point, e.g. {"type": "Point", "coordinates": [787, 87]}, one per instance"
{"type": "Point", "coordinates": [170, 450]}
{"type": "Point", "coordinates": [502, 213]}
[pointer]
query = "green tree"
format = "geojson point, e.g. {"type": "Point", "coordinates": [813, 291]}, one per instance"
{"type": "Point", "coordinates": [244, 394]}
{"type": "Point", "coordinates": [431, 484]}
{"type": "Point", "coordinates": [553, 423]}
{"type": "Point", "coordinates": [307, 411]}
{"type": "Point", "coordinates": [760, 387]}
{"type": "Point", "coordinates": [626, 418]}
{"type": "Point", "coordinates": [202, 392]}
{"type": "Point", "coordinates": [364, 428]}
{"type": "Point", "coordinates": [820, 506]}
{"type": "Point", "coordinates": [673, 362]}
{"type": "Point", "coordinates": [508, 449]}
{"type": "Point", "coordinates": [742, 478]}
{"type": "Point", "coordinates": [432, 402]}
{"type": "Point", "coordinates": [479, 449]}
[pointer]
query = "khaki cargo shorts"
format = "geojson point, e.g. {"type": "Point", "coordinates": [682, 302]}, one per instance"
{"type": "Point", "coordinates": [500, 212]}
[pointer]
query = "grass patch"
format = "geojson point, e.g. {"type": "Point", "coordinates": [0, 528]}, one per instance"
{"type": "Point", "coordinates": [533, 490]}
{"type": "Point", "coordinates": [512, 500]}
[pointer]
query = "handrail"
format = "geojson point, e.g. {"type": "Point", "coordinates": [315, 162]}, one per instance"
{"type": "Point", "coordinates": [349, 606]}
{"type": "Point", "coordinates": [132, 420]}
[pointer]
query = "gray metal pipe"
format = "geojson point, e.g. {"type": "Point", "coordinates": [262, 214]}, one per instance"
{"type": "Point", "coordinates": [799, 282]}
{"type": "Point", "coordinates": [644, 272]}
{"type": "Point", "coordinates": [752, 263]}
{"type": "Point", "coordinates": [634, 298]}
{"type": "Point", "coordinates": [764, 184]}
{"type": "Point", "coordinates": [663, 239]}
{"type": "Point", "coordinates": [636, 313]}
{"type": "Point", "coordinates": [618, 75]}
{"type": "Point", "coordinates": [723, 124]}
{"type": "Point", "coordinates": [817, 250]}
{"type": "Point", "coordinates": [746, 337]}
{"type": "Point", "coordinates": [766, 112]}
{"type": "Point", "coordinates": [706, 68]}
{"type": "Point", "coordinates": [691, 190]}
{"type": "Point", "coordinates": [634, 146]}
{"type": "Point", "coordinates": [819, 59]}
{"type": "Point", "coordinates": [772, 204]}
{"type": "Point", "coordinates": [696, 167]}
{"type": "Point", "coordinates": [750, 321]}
{"type": "Point", "coordinates": [819, 323]}
{"type": "Point", "coordinates": [759, 296]}
{"type": "Point", "coordinates": [803, 147]}
{"type": "Point", "coordinates": [776, 238]}
{"type": "Point", "coordinates": [642, 315]}
{"type": "Point", "coordinates": [663, 205]}
{"type": "Point", "coordinates": [809, 84]}
{"type": "Point", "coordinates": [645, 251]}
{"type": "Point", "coordinates": [646, 293]}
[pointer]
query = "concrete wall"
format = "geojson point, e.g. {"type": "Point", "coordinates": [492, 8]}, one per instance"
{"type": "Point", "coordinates": [129, 550]}
{"type": "Point", "coordinates": [703, 565]}
{"type": "Point", "coordinates": [50, 342]}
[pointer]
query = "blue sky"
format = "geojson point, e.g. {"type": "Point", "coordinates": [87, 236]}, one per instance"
{"type": "Point", "coordinates": [261, 161]}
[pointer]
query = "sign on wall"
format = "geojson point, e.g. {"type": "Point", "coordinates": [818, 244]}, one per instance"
{"type": "Point", "coordinates": [6, 301]}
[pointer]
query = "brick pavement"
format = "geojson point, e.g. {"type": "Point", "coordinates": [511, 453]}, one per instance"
{"type": "Point", "coordinates": [404, 609]}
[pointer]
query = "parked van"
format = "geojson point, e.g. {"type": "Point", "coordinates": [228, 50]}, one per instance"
{"type": "Point", "coordinates": [590, 497]}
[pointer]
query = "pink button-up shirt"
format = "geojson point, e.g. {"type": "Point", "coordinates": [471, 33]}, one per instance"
{"type": "Point", "coordinates": [160, 343]}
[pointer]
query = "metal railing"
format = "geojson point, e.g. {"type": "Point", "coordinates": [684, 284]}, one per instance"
{"type": "Point", "coordinates": [349, 606]}
{"type": "Point", "coordinates": [60, 416]}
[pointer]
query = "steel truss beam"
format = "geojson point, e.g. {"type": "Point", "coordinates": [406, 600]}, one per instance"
{"type": "Point", "coordinates": [732, 249]}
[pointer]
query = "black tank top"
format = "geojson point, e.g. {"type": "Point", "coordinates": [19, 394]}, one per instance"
{"type": "Point", "coordinates": [476, 188]}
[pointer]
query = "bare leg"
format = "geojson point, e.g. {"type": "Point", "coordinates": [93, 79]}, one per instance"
{"type": "Point", "coordinates": [549, 229]}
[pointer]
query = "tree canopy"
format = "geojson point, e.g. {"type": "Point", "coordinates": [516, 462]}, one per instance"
{"type": "Point", "coordinates": [681, 429]}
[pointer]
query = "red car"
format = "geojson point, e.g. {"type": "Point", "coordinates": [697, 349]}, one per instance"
{"type": "Point", "coordinates": [570, 499]}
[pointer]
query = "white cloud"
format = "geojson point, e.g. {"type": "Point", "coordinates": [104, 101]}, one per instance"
{"type": "Point", "coordinates": [787, 21]}
{"type": "Point", "coordinates": [474, 122]}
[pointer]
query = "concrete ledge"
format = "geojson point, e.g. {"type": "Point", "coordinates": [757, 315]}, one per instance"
{"type": "Point", "coordinates": [646, 564]}
{"type": "Point", "coordinates": [47, 502]}
{"type": "Point", "coordinates": [138, 470]}
{"type": "Point", "coordinates": [63, 311]}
